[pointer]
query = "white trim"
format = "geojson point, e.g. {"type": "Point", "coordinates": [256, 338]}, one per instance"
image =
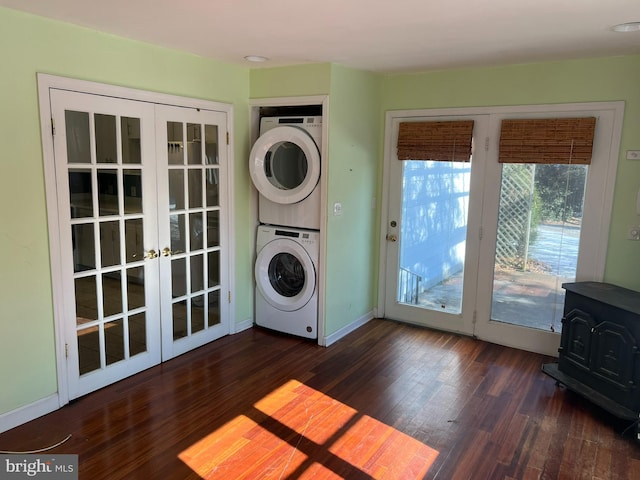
{"type": "Point", "coordinates": [231, 220]}
{"type": "Point", "coordinates": [26, 413]}
{"type": "Point", "coordinates": [242, 326]}
{"type": "Point", "coordinates": [54, 241]}
{"type": "Point", "coordinates": [347, 329]}
{"type": "Point", "coordinates": [107, 90]}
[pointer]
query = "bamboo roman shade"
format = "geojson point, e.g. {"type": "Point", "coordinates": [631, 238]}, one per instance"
{"type": "Point", "coordinates": [444, 141]}
{"type": "Point", "coordinates": [553, 140]}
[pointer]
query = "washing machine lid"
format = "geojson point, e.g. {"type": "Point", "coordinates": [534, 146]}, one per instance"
{"type": "Point", "coordinates": [285, 164]}
{"type": "Point", "coordinates": [285, 275]}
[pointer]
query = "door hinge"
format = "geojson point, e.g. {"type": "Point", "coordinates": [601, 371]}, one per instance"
{"type": "Point", "coordinates": [229, 296]}
{"type": "Point", "coordinates": [227, 138]}
{"type": "Point", "coordinates": [486, 144]}
{"type": "Point", "coordinates": [66, 350]}
{"type": "Point", "coordinates": [53, 127]}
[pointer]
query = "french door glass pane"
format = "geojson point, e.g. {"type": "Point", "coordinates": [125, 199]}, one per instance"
{"type": "Point", "coordinates": [435, 204]}
{"type": "Point", "coordinates": [106, 144]}
{"type": "Point", "coordinates": [131, 150]}
{"type": "Point", "coordinates": [137, 334]}
{"type": "Point", "coordinates": [214, 308]}
{"type": "Point", "coordinates": [179, 312]}
{"type": "Point", "coordinates": [84, 250]}
{"type": "Point", "coordinates": [78, 136]}
{"type": "Point", "coordinates": [135, 288]}
{"type": "Point", "coordinates": [114, 341]}
{"type": "Point", "coordinates": [86, 299]}
{"type": "Point", "coordinates": [194, 137]}
{"type": "Point", "coordinates": [539, 222]}
{"type": "Point", "coordinates": [195, 188]}
{"type": "Point", "coordinates": [132, 191]}
{"type": "Point", "coordinates": [197, 314]}
{"type": "Point", "coordinates": [108, 201]}
{"type": "Point", "coordinates": [80, 193]}
{"type": "Point", "coordinates": [175, 145]}
{"type": "Point", "coordinates": [111, 293]}
{"type": "Point", "coordinates": [211, 144]}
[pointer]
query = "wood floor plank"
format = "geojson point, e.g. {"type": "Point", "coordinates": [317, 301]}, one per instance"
{"type": "Point", "coordinates": [389, 401]}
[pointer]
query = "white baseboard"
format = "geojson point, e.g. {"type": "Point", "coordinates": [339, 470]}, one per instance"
{"type": "Point", "coordinates": [29, 412]}
{"type": "Point", "coordinates": [241, 326]}
{"type": "Point", "coordinates": [357, 323]}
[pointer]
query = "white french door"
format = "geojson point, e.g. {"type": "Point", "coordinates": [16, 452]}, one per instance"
{"type": "Point", "coordinates": [142, 214]}
{"type": "Point", "coordinates": [192, 227]}
{"type": "Point", "coordinates": [482, 248]}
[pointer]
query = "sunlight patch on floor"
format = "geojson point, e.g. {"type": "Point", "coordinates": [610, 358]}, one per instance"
{"type": "Point", "coordinates": [300, 432]}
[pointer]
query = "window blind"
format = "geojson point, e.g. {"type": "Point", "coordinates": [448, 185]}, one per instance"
{"type": "Point", "coordinates": [552, 140]}
{"type": "Point", "coordinates": [441, 140]}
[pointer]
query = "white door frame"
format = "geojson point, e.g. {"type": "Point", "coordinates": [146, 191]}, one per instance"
{"type": "Point", "coordinates": [596, 231]}
{"type": "Point", "coordinates": [45, 84]}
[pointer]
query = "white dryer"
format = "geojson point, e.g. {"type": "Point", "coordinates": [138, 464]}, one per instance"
{"type": "Point", "coordinates": [287, 280]}
{"type": "Point", "coordinates": [285, 168]}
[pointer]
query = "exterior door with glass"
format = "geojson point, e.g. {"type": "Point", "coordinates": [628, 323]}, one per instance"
{"type": "Point", "coordinates": [548, 196]}
{"type": "Point", "coordinates": [142, 233]}
{"type": "Point", "coordinates": [434, 211]}
{"type": "Point", "coordinates": [483, 247]}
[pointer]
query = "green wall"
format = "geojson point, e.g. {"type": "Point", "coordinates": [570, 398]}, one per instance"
{"type": "Point", "coordinates": [351, 274]}
{"type": "Point", "coordinates": [29, 45]}
{"type": "Point", "coordinates": [603, 79]}
{"type": "Point", "coordinates": [303, 80]}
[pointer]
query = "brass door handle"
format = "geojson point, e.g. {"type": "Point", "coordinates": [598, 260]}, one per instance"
{"type": "Point", "coordinates": [151, 254]}
{"type": "Point", "coordinates": [166, 252]}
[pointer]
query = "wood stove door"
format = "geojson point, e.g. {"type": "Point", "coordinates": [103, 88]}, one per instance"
{"type": "Point", "coordinates": [577, 327]}
{"type": "Point", "coordinates": [614, 352]}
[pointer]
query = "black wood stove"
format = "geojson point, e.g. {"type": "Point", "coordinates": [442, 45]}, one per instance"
{"type": "Point", "coordinates": [598, 356]}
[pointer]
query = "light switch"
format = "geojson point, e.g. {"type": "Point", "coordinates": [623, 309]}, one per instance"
{"type": "Point", "coordinates": [337, 209]}
{"type": "Point", "coordinates": [633, 154]}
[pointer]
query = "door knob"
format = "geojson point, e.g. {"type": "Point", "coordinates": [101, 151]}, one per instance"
{"type": "Point", "coordinates": [392, 238]}
{"type": "Point", "coordinates": [151, 254]}
{"type": "Point", "coordinates": [166, 252]}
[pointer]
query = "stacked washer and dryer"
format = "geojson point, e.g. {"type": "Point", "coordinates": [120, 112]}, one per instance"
{"type": "Point", "coordinates": [285, 169]}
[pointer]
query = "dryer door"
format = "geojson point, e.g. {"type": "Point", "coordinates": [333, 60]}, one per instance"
{"type": "Point", "coordinates": [285, 164]}
{"type": "Point", "coordinates": [285, 275]}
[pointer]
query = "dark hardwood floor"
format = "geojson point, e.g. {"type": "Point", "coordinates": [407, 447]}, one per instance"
{"type": "Point", "coordinates": [388, 401]}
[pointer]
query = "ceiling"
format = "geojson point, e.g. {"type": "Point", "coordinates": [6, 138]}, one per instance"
{"type": "Point", "coordinates": [389, 36]}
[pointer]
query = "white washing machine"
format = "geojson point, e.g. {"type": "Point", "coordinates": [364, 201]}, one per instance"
{"type": "Point", "coordinates": [285, 168]}
{"type": "Point", "coordinates": [287, 280]}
